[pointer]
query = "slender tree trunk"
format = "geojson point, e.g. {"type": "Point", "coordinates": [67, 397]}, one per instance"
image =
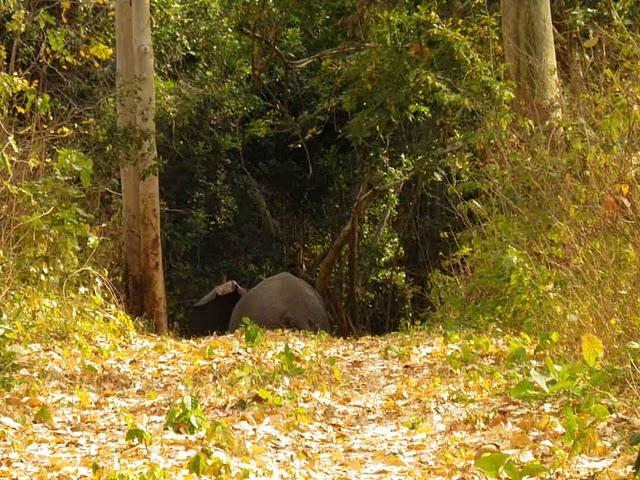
{"type": "Point", "coordinates": [353, 272]}
{"type": "Point", "coordinates": [531, 57]}
{"type": "Point", "coordinates": [152, 267]}
{"type": "Point", "coordinates": [129, 175]}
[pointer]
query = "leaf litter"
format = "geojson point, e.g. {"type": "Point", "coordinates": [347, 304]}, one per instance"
{"type": "Point", "coordinates": [293, 406]}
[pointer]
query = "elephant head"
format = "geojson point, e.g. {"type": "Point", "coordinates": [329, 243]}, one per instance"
{"type": "Point", "coordinates": [212, 312]}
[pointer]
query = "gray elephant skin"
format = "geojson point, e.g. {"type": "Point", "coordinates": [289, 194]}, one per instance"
{"type": "Point", "coordinates": [280, 301]}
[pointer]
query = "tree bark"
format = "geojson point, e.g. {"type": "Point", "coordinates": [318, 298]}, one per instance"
{"type": "Point", "coordinates": [152, 265]}
{"type": "Point", "coordinates": [129, 174]}
{"type": "Point", "coordinates": [530, 55]}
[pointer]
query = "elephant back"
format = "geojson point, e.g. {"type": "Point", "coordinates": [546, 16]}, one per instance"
{"type": "Point", "coordinates": [282, 301]}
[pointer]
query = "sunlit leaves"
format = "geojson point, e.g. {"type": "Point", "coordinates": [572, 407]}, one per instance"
{"type": "Point", "coordinates": [592, 350]}
{"type": "Point", "coordinates": [500, 465]}
{"type": "Point", "coordinates": [221, 436]}
{"type": "Point", "coordinates": [8, 355]}
{"type": "Point", "coordinates": [383, 408]}
{"type": "Point", "coordinates": [253, 333]}
{"type": "Point", "coordinates": [100, 51]}
{"type": "Point", "coordinates": [186, 417]}
{"type": "Point", "coordinates": [491, 464]}
{"type": "Point", "coordinates": [137, 434]}
{"type": "Point", "coordinates": [43, 415]}
{"type": "Point", "coordinates": [206, 463]}
{"type": "Point", "coordinates": [289, 361]}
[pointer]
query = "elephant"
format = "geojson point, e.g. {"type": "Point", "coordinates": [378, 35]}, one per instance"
{"type": "Point", "coordinates": [212, 312]}
{"type": "Point", "coordinates": [280, 301]}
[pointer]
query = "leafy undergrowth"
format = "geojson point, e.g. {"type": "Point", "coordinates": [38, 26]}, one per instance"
{"type": "Point", "coordinates": [291, 405]}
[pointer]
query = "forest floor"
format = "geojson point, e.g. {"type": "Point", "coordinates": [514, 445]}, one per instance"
{"type": "Point", "coordinates": [295, 406]}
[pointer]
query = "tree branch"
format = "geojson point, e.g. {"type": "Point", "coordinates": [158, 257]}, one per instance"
{"type": "Point", "coordinates": [302, 62]}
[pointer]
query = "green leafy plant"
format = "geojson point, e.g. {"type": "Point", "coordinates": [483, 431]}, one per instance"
{"type": "Point", "coordinates": [153, 473]}
{"type": "Point", "coordinates": [138, 434]}
{"type": "Point", "coordinates": [289, 362]}
{"type": "Point", "coordinates": [8, 356]}
{"type": "Point", "coordinates": [253, 333]}
{"type": "Point", "coordinates": [266, 396]}
{"type": "Point", "coordinates": [206, 463]}
{"type": "Point", "coordinates": [221, 436]}
{"type": "Point", "coordinates": [501, 465]}
{"type": "Point", "coordinates": [43, 415]}
{"type": "Point", "coordinates": [186, 417]}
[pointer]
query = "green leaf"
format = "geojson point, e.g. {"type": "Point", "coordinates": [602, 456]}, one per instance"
{"type": "Point", "coordinates": [518, 354]}
{"type": "Point", "coordinates": [186, 417]}
{"type": "Point", "coordinates": [635, 439]}
{"type": "Point", "coordinates": [592, 349]}
{"type": "Point", "coordinates": [253, 334]}
{"type": "Point", "coordinates": [533, 469]}
{"type": "Point", "coordinates": [512, 471]}
{"type": "Point", "coordinates": [525, 390]}
{"type": "Point", "coordinates": [100, 51]}
{"type": "Point", "coordinates": [571, 425]}
{"type": "Point", "coordinates": [539, 379]}
{"type": "Point", "coordinates": [138, 435]}
{"type": "Point", "coordinates": [492, 463]}
{"type": "Point", "coordinates": [198, 464]}
{"type": "Point", "coordinates": [43, 415]}
{"type": "Point", "coordinates": [600, 411]}
{"type": "Point", "coordinates": [6, 162]}
{"type": "Point", "coordinates": [288, 359]}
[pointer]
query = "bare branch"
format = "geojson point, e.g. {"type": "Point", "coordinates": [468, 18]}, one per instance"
{"type": "Point", "coordinates": [302, 62]}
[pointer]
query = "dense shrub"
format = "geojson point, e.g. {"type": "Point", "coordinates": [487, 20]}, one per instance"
{"type": "Point", "coordinates": [555, 245]}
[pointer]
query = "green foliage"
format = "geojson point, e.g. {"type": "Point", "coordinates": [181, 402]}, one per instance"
{"type": "Point", "coordinates": [206, 463]}
{"type": "Point", "coordinates": [8, 356]}
{"type": "Point", "coordinates": [186, 417]}
{"type": "Point", "coordinates": [550, 243]}
{"type": "Point", "coordinates": [153, 473]}
{"type": "Point", "coordinates": [53, 282]}
{"type": "Point", "coordinates": [592, 350]}
{"type": "Point", "coordinates": [253, 333]}
{"type": "Point", "coordinates": [277, 151]}
{"type": "Point", "coordinates": [501, 465]}
{"type": "Point", "coordinates": [43, 415]}
{"type": "Point", "coordinates": [221, 436]}
{"type": "Point", "coordinates": [289, 362]}
{"type": "Point", "coordinates": [137, 434]}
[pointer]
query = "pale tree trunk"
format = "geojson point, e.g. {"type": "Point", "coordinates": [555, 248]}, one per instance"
{"type": "Point", "coordinates": [154, 291]}
{"type": "Point", "coordinates": [129, 174]}
{"type": "Point", "coordinates": [530, 54]}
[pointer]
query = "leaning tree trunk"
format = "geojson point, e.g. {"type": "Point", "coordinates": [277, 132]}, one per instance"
{"type": "Point", "coordinates": [129, 174]}
{"type": "Point", "coordinates": [531, 58]}
{"type": "Point", "coordinates": [154, 290]}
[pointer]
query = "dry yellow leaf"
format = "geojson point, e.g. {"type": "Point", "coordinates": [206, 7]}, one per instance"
{"type": "Point", "coordinates": [519, 440]}
{"type": "Point", "coordinates": [390, 405]}
{"type": "Point", "coordinates": [592, 42]}
{"type": "Point", "coordinates": [388, 459]}
{"type": "Point", "coordinates": [354, 464]}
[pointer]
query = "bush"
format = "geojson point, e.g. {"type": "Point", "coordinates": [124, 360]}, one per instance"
{"type": "Point", "coordinates": [552, 242]}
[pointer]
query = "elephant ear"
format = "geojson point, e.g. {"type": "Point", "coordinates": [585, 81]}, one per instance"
{"type": "Point", "coordinates": [226, 288]}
